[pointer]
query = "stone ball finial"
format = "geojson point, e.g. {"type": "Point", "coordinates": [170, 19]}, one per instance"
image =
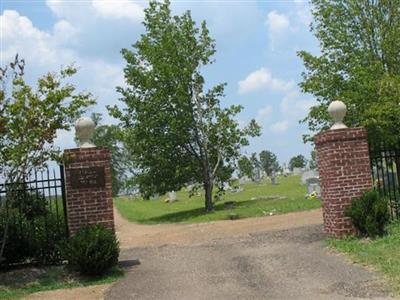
{"type": "Point", "coordinates": [337, 110]}
{"type": "Point", "coordinates": [84, 128]}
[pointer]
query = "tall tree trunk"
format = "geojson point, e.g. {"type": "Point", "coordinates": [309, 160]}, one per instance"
{"type": "Point", "coordinates": [3, 243]}
{"type": "Point", "coordinates": [208, 188]}
{"type": "Point", "coordinates": [398, 167]}
{"type": "Point", "coordinates": [208, 183]}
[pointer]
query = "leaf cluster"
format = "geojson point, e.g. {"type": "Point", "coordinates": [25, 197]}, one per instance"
{"type": "Point", "coordinates": [176, 132]}
{"type": "Point", "coordinates": [359, 64]}
{"type": "Point", "coordinates": [30, 118]}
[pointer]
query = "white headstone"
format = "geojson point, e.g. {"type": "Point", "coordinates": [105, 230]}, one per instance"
{"type": "Point", "coordinates": [298, 171]}
{"type": "Point", "coordinates": [244, 179]}
{"type": "Point", "coordinates": [313, 186]}
{"type": "Point", "coordinates": [172, 196]}
{"type": "Point", "coordinates": [309, 174]}
{"type": "Point", "coordinates": [257, 175]}
{"type": "Point", "coordinates": [274, 178]}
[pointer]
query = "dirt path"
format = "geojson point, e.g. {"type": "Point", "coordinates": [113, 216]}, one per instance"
{"type": "Point", "coordinates": [284, 264]}
{"type": "Point", "coordinates": [274, 257]}
{"type": "Point", "coordinates": [94, 292]}
{"type": "Point", "coordinates": [133, 235]}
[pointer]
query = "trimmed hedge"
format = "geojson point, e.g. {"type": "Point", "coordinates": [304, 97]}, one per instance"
{"type": "Point", "coordinates": [93, 250]}
{"type": "Point", "coordinates": [369, 214]}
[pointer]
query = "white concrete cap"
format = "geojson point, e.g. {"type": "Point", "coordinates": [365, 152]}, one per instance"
{"type": "Point", "coordinates": [84, 128]}
{"type": "Point", "coordinates": [337, 110]}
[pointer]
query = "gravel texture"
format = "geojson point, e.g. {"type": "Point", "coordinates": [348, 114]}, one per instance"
{"type": "Point", "coordinates": [278, 257]}
{"type": "Point", "coordinates": [285, 264]}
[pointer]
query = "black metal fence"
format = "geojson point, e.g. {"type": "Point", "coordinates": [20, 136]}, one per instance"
{"type": "Point", "coordinates": [34, 209]}
{"type": "Point", "coordinates": [385, 166]}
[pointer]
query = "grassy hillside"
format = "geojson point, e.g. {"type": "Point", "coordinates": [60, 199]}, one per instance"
{"type": "Point", "coordinates": [255, 200]}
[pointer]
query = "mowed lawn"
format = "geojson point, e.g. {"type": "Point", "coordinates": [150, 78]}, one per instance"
{"type": "Point", "coordinates": [382, 253]}
{"type": "Point", "coordinates": [256, 200]}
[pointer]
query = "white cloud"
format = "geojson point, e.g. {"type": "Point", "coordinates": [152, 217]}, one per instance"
{"type": "Point", "coordinates": [89, 10]}
{"type": "Point", "coordinates": [56, 6]}
{"type": "Point", "coordinates": [64, 32]}
{"type": "Point", "coordinates": [118, 9]}
{"type": "Point", "coordinates": [20, 36]}
{"type": "Point", "coordinates": [303, 12]}
{"type": "Point", "coordinates": [278, 26]}
{"type": "Point", "coordinates": [280, 127]}
{"type": "Point", "coordinates": [264, 112]}
{"type": "Point", "coordinates": [277, 22]}
{"type": "Point", "coordinates": [46, 51]}
{"type": "Point", "coordinates": [263, 79]}
{"type": "Point", "coordinates": [285, 29]}
{"type": "Point", "coordinates": [77, 11]}
{"type": "Point", "coordinates": [294, 107]}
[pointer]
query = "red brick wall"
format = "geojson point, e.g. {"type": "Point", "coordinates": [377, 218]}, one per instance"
{"type": "Point", "coordinates": [345, 173]}
{"type": "Point", "coordinates": [92, 205]}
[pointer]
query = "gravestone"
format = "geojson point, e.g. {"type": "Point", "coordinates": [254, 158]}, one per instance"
{"type": "Point", "coordinates": [237, 189]}
{"type": "Point", "coordinates": [309, 174]}
{"type": "Point", "coordinates": [313, 186]}
{"type": "Point", "coordinates": [189, 187]}
{"type": "Point", "coordinates": [244, 179]}
{"type": "Point", "coordinates": [171, 196]}
{"type": "Point", "coordinates": [298, 171]}
{"type": "Point", "coordinates": [274, 178]}
{"type": "Point", "coordinates": [257, 175]}
{"type": "Point", "coordinates": [386, 177]}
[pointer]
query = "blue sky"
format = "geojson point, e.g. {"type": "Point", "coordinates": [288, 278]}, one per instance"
{"type": "Point", "coordinates": [256, 55]}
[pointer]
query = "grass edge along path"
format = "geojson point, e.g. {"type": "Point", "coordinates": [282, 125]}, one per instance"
{"type": "Point", "coordinates": [256, 200]}
{"type": "Point", "coordinates": [54, 278]}
{"type": "Point", "coordinates": [381, 254]}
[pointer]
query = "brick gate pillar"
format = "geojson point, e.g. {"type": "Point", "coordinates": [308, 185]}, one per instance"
{"type": "Point", "coordinates": [88, 184]}
{"type": "Point", "coordinates": [88, 187]}
{"type": "Point", "coordinates": [345, 173]}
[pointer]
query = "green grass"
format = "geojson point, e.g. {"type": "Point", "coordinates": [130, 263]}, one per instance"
{"type": "Point", "coordinates": [383, 254]}
{"type": "Point", "coordinates": [20, 283]}
{"type": "Point", "coordinates": [287, 196]}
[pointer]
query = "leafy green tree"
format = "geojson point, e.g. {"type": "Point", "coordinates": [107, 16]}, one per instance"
{"type": "Point", "coordinates": [175, 133]}
{"type": "Point", "coordinates": [30, 118]}
{"type": "Point", "coordinates": [245, 167]}
{"type": "Point", "coordinates": [269, 162]}
{"type": "Point", "coordinates": [110, 137]}
{"type": "Point", "coordinates": [298, 161]}
{"type": "Point", "coordinates": [359, 63]}
{"type": "Point", "coordinates": [313, 161]}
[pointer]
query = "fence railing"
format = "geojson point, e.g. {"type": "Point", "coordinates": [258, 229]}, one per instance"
{"type": "Point", "coordinates": [385, 167]}
{"type": "Point", "coordinates": [35, 205]}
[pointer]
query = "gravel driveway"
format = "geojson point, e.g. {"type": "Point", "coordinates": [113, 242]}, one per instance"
{"type": "Point", "coordinates": [285, 264]}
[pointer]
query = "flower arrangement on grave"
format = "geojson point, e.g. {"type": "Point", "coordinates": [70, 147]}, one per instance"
{"type": "Point", "coordinates": [312, 196]}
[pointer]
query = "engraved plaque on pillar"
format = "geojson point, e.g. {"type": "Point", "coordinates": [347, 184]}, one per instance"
{"type": "Point", "coordinates": [87, 177]}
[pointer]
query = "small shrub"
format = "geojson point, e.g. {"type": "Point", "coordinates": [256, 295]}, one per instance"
{"type": "Point", "coordinates": [31, 205]}
{"type": "Point", "coordinates": [369, 214]}
{"type": "Point", "coordinates": [36, 240]}
{"type": "Point", "coordinates": [93, 250]}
